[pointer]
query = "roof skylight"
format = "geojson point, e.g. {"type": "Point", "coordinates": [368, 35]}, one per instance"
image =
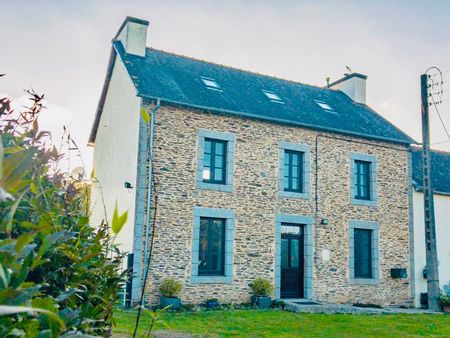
{"type": "Point", "coordinates": [325, 106]}
{"type": "Point", "coordinates": [272, 96]}
{"type": "Point", "coordinates": [210, 83]}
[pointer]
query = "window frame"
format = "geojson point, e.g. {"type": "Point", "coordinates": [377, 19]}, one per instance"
{"type": "Point", "coordinates": [211, 272]}
{"type": "Point", "coordinates": [372, 200]}
{"type": "Point", "coordinates": [362, 180]}
{"type": "Point", "coordinates": [356, 245]}
{"type": "Point", "coordinates": [230, 139]}
{"type": "Point", "coordinates": [305, 169]}
{"type": "Point", "coordinates": [375, 260]}
{"type": "Point", "coordinates": [289, 153]}
{"type": "Point", "coordinates": [228, 216]}
{"type": "Point", "coordinates": [213, 167]}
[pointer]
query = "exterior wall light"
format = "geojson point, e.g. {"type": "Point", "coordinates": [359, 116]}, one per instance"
{"type": "Point", "coordinates": [324, 221]}
{"type": "Point", "coordinates": [127, 185]}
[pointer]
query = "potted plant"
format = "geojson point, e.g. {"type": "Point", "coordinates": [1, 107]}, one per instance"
{"type": "Point", "coordinates": [169, 290]}
{"type": "Point", "coordinates": [444, 299]}
{"type": "Point", "coordinates": [262, 289]}
{"type": "Point", "coordinates": [212, 303]}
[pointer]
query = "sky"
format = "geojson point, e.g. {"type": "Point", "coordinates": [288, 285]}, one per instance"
{"type": "Point", "coordinates": [61, 49]}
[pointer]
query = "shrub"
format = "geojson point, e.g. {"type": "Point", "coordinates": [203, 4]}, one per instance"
{"type": "Point", "coordinates": [262, 287]}
{"type": "Point", "coordinates": [444, 299]}
{"type": "Point", "coordinates": [58, 273]}
{"type": "Point", "coordinates": [170, 288]}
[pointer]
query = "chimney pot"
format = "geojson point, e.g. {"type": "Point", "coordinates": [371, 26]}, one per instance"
{"type": "Point", "coordinates": [133, 35]}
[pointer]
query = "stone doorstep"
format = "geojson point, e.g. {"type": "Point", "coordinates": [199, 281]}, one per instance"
{"type": "Point", "coordinates": [328, 308]}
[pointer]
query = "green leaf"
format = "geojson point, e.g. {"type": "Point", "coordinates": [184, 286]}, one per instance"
{"type": "Point", "coordinates": [6, 310]}
{"type": "Point", "coordinates": [33, 188]}
{"type": "Point", "coordinates": [12, 212]}
{"type": "Point", "coordinates": [15, 167]}
{"type": "Point", "coordinates": [23, 240]}
{"type": "Point", "coordinates": [145, 115]}
{"type": "Point", "coordinates": [118, 221]}
{"type": "Point", "coordinates": [4, 277]}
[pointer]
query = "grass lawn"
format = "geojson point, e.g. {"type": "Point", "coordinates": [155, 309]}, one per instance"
{"type": "Point", "coordinates": [275, 323]}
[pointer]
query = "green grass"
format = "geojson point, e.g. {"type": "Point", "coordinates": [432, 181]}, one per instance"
{"type": "Point", "coordinates": [273, 323]}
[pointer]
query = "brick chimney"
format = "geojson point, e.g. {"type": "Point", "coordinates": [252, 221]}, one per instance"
{"type": "Point", "coordinates": [133, 35]}
{"type": "Point", "coordinates": [353, 85]}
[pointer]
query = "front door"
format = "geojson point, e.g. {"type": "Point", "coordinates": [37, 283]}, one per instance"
{"type": "Point", "coordinates": [291, 260]}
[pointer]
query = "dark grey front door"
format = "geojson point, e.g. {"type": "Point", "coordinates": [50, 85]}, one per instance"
{"type": "Point", "coordinates": [292, 263]}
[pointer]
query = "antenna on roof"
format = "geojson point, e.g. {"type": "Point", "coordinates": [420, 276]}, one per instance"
{"type": "Point", "coordinates": [349, 70]}
{"type": "Point", "coordinates": [328, 81]}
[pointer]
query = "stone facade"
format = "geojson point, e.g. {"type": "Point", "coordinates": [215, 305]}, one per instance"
{"type": "Point", "coordinates": [256, 202]}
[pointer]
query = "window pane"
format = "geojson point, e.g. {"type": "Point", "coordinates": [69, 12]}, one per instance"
{"type": "Point", "coordinates": [207, 146]}
{"type": "Point", "coordinates": [218, 175]}
{"type": "Point", "coordinates": [294, 253]}
{"type": "Point", "coordinates": [362, 180]}
{"type": "Point", "coordinates": [363, 253]}
{"type": "Point", "coordinates": [284, 252]}
{"type": "Point", "coordinates": [218, 161]}
{"type": "Point", "coordinates": [293, 170]}
{"type": "Point", "coordinates": [206, 174]}
{"type": "Point", "coordinates": [211, 246]}
{"type": "Point", "coordinates": [220, 148]}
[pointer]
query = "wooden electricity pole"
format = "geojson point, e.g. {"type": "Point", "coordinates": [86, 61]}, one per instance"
{"type": "Point", "coordinates": [430, 227]}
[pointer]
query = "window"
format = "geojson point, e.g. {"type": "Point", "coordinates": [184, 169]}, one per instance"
{"type": "Point", "coordinates": [272, 96]}
{"type": "Point", "coordinates": [293, 171]}
{"type": "Point", "coordinates": [210, 83]}
{"type": "Point", "coordinates": [363, 253]}
{"type": "Point", "coordinates": [362, 180]}
{"type": "Point", "coordinates": [325, 106]}
{"type": "Point", "coordinates": [211, 247]}
{"type": "Point", "coordinates": [214, 161]}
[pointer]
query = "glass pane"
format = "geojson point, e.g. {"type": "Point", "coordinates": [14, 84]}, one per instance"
{"type": "Point", "coordinates": [290, 229]}
{"type": "Point", "coordinates": [284, 253]}
{"type": "Point", "coordinates": [294, 253]}
{"type": "Point", "coordinates": [206, 174]}
{"type": "Point", "coordinates": [218, 175]}
{"type": "Point", "coordinates": [295, 184]}
{"type": "Point", "coordinates": [207, 160]}
{"type": "Point", "coordinates": [218, 161]}
{"type": "Point", "coordinates": [208, 146]}
{"type": "Point", "coordinates": [286, 158]}
{"type": "Point", "coordinates": [363, 253]}
{"type": "Point", "coordinates": [220, 148]}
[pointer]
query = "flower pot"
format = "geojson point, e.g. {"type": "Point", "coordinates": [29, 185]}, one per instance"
{"type": "Point", "coordinates": [173, 301]}
{"type": "Point", "coordinates": [263, 302]}
{"type": "Point", "coordinates": [211, 304]}
{"type": "Point", "coordinates": [446, 308]}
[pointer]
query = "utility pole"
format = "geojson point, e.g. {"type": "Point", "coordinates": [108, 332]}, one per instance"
{"type": "Point", "coordinates": [430, 227]}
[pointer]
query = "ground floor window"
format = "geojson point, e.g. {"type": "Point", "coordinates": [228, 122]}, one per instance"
{"type": "Point", "coordinates": [212, 245]}
{"type": "Point", "coordinates": [363, 253]}
{"type": "Point", "coordinates": [211, 249]}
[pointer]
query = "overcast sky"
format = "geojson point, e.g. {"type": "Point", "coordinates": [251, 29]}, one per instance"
{"type": "Point", "coordinates": [61, 48]}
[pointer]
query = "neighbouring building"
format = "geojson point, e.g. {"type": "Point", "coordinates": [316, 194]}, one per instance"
{"type": "Point", "coordinates": [245, 175]}
{"type": "Point", "coordinates": [440, 178]}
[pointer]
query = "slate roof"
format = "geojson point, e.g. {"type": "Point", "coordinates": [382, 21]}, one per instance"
{"type": "Point", "coordinates": [176, 79]}
{"type": "Point", "coordinates": [440, 170]}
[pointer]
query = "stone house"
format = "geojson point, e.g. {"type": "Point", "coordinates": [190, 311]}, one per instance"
{"type": "Point", "coordinates": [440, 176]}
{"type": "Point", "coordinates": [239, 175]}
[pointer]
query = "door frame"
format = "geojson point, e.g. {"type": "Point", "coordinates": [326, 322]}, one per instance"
{"type": "Point", "coordinates": [307, 222]}
{"type": "Point", "coordinates": [301, 261]}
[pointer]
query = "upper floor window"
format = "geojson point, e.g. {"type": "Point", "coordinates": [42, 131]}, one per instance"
{"type": "Point", "coordinates": [362, 180]}
{"type": "Point", "coordinates": [210, 83]}
{"type": "Point", "coordinates": [272, 96]}
{"type": "Point", "coordinates": [293, 171]}
{"type": "Point", "coordinates": [214, 161]}
{"type": "Point", "coordinates": [211, 249]}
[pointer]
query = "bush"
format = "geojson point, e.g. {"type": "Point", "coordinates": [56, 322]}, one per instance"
{"type": "Point", "coordinates": [262, 287]}
{"type": "Point", "coordinates": [444, 299]}
{"type": "Point", "coordinates": [170, 288]}
{"type": "Point", "coordinates": [58, 274]}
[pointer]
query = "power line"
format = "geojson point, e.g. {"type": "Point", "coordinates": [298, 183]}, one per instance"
{"type": "Point", "coordinates": [440, 117]}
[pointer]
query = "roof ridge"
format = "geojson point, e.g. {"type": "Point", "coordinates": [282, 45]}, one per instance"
{"type": "Point", "coordinates": [420, 148]}
{"type": "Point", "coordinates": [241, 70]}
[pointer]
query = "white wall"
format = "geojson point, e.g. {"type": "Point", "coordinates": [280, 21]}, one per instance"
{"type": "Point", "coordinates": [442, 213]}
{"type": "Point", "coordinates": [115, 153]}
{"type": "Point", "coordinates": [355, 88]}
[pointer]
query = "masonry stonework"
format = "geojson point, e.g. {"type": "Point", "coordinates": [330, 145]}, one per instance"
{"type": "Point", "coordinates": [255, 202]}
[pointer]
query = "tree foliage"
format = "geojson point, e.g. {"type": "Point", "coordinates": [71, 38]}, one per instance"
{"type": "Point", "coordinates": [59, 275]}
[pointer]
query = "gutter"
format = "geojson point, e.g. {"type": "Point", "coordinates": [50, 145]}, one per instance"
{"type": "Point", "coordinates": [277, 120]}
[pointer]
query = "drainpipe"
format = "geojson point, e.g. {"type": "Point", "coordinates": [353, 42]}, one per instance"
{"type": "Point", "coordinates": [150, 182]}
